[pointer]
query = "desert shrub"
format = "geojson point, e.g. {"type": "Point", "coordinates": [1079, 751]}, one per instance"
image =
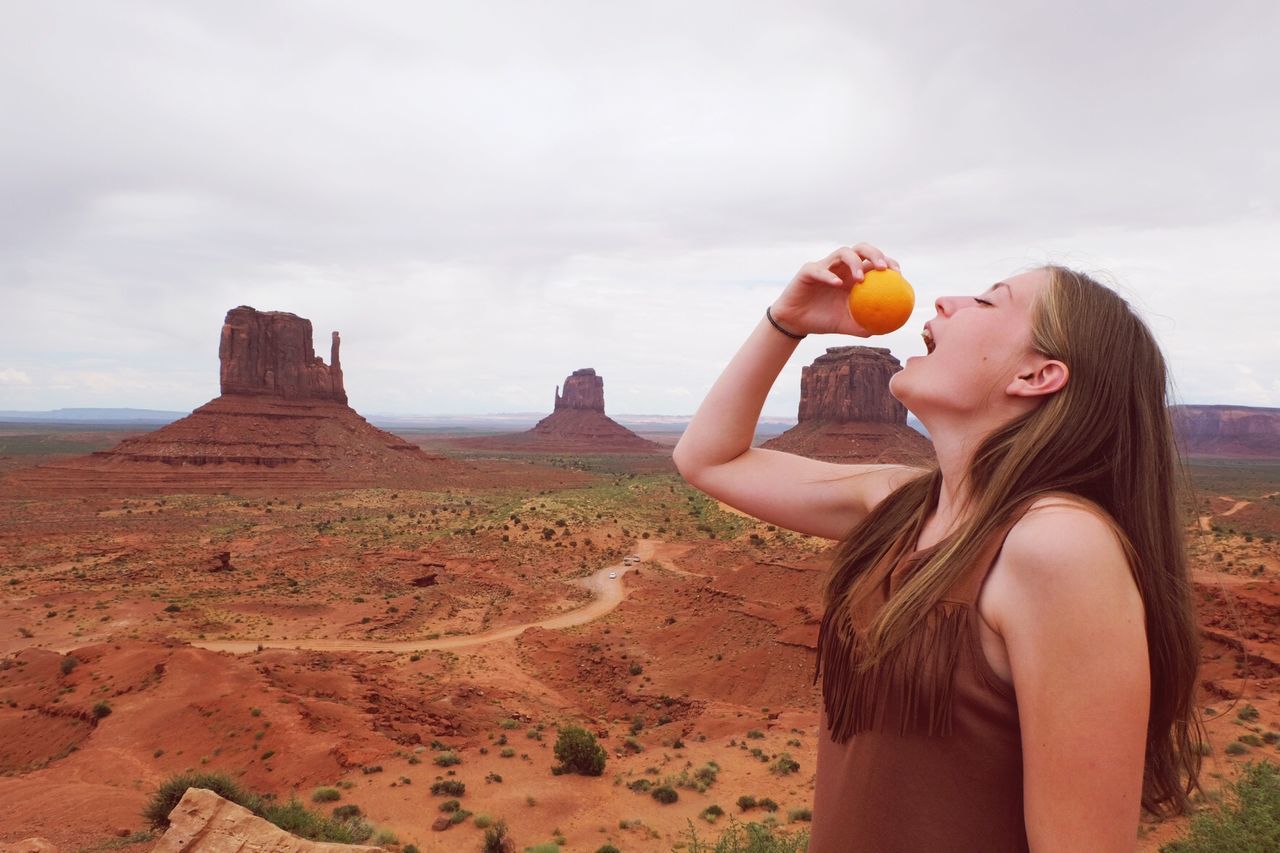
{"type": "Point", "coordinates": [545, 847]}
{"type": "Point", "coordinates": [749, 838]}
{"type": "Point", "coordinates": [800, 814]}
{"type": "Point", "coordinates": [482, 821]}
{"type": "Point", "coordinates": [1248, 713]}
{"type": "Point", "coordinates": [448, 759]}
{"type": "Point", "coordinates": [294, 817]}
{"type": "Point", "coordinates": [755, 734]}
{"type": "Point", "coordinates": [507, 752]}
{"type": "Point", "coordinates": [68, 663]}
{"type": "Point", "coordinates": [325, 795]}
{"type": "Point", "coordinates": [607, 848]}
{"type": "Point", "coordinates": [171, 790]}
{"type": "Point", "coordinates": [1248, 821]}
{"type": "Point", "coordinates": [496, 839]}
{"type": "Point", "coordinates": [635, 669]}
{"type": "Point", "coordinates": [665, 794]}
{"type": "Point", "coordinates": [1236, 748]}
{"type": "Point", "coordinates": [450, 806]}
{"type": "Point", "coordinates": [101, 710]}
{"type": "Point", "coordinates": [347, 811]}
{"type": "Point", "coordinates": [746, 802]}
{"type": "Point", "coordinates": [411, 848]}
{"type": "Point", "coordinates": [459, 816]}
{"type": "Point", "coordinates": [449, 788]}
{"type": "Point", "coordinates": [768, 804]}
{"type": "Point", "coordinates": [579, 752]}
{"type": "Point", "coordinates": [784, 765]}
{"type": "Point", "coordinates": [710, 813]}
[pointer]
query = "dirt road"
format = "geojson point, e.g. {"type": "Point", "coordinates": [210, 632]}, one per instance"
{"type": "Point", "coordinates": [609, 593]}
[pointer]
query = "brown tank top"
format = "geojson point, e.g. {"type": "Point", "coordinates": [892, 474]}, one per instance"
{"type": "Point", "coordinates": [923, 770]}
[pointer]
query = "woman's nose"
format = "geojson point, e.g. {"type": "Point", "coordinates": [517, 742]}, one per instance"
{"type": "Point", "coordinates": [945, 305]}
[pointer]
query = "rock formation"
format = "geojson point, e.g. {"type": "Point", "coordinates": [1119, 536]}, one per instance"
{"type": "Point", "coordinates": [282, 420]}
{"type": "Point", "coordinates": [1243, 431]}
{"type": "Point", "coordinates": [583, 389]}
{"type": "Point", "coordinates": [203, 822]}
{"type": "Point", "coordinates": [847, 413]}
{"type": "Point", "coordinates": [270, 353]}
{"type": "Point", "coordinates": [577, 424]}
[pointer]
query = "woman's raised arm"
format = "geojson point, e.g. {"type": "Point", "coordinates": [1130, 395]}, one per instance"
{"type": "Point", "coordinates": [715, 454]}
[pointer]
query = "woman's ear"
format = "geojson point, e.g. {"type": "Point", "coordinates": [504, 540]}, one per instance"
{"type": "Point", "coordinates": [1038, 378]}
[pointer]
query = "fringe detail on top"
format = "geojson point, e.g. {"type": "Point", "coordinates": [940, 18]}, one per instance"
{"type": "Point", "coordinates": [910, 691]}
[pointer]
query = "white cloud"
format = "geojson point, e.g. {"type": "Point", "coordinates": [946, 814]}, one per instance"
{"type": "Point", "coordinates": [9, 376]}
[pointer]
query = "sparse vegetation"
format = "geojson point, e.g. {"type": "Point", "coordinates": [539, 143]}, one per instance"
{"type": "Point", "coordinates": [1248, 821]}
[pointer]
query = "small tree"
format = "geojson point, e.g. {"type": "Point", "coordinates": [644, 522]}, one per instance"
{"type": "Point", "coordinates": [578, 752]}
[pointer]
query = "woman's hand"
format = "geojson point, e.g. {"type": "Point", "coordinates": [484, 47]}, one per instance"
{"type": "Point", "coordinates": [816, 301]}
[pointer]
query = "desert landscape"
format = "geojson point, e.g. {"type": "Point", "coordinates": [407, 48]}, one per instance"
{"type": "Point", "coordinates": [392, 629]}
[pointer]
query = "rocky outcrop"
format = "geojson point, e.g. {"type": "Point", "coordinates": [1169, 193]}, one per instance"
{"type": "Point", "coordinates": [282, 421]}
{"type": "Point", "coordinates": [578, 424]}
{"type": "Point", "coordinates": [583, 389]}
{"type": "Point", "coordinates": [848, 415]}
{"type": "Point", "coordinates": [270, 352]}
{"type": "Point", "coordinates": [203, 822]}
{"type": "Point", "coordinates": [1243, 431]}
{"type": "Point", "coordinates": [851, 384]}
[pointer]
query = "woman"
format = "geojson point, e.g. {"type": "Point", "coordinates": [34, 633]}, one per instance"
{"type": "Point", "coordinates": [1041, 559]}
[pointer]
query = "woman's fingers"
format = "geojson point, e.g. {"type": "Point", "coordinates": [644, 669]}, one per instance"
{"type": "Point", "coordinates": [849, 263]}
{"type": "Point", "coordinates": [871, 253]}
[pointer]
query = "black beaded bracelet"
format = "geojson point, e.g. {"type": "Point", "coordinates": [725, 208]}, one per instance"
{"type": "Point", "coordinates": [769, 314]}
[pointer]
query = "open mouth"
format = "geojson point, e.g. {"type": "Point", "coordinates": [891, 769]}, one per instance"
{"type": "Point", "coordinates": [928, 340]}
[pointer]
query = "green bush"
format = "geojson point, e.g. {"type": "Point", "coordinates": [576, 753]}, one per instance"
{"type": "Point", "coordinates": [325, 795]}
{"type": "Point", "coordinates": [800, 814]}
{"type": "Point", "coordinates": [1247, 822]}
{"type": "Point", "coordinates": [171, 790]}
{"type": "Point", "coordinates": [578, 752]}
{"type": "Point", "coordinates": [665, 794]}
{"type": "Point", "coordinates": [1248, 713]}
{"type": "Point", "coordinates": [296, 818]}
{"type": "Point", "coordinates": [69, 663]}
{"type": "Point", "coordinates": [447, 759]}
{"type": "Point", "coordinates": [347, 812]}
{"type": "Point", "coordinates": [449, 788]}
{"type": "Point", "coordinates": [784, 765]}
{"type": "Point", "coordinates": [496, 839]}
{"type": "Point", "coordinates": [748, 838]}
{"type": "Point", "coordinates": [101, 710]}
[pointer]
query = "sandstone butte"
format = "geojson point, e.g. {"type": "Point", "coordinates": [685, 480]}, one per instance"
{"type": "Point", "coordinates": [577, 424]}
{"type": "Point", "coordinates": [847, 413]}
{"type": "Point", "coordinates": [281, 420]}
{"type": "Point", "coordinates": [1237, 431]}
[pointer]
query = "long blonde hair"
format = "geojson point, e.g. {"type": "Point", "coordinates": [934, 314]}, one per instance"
{"type": "Point", "coordinates": [1105, 437]}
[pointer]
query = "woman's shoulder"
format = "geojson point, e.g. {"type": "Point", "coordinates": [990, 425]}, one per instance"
{"type": "Point", "coordinates": [1059, 532]}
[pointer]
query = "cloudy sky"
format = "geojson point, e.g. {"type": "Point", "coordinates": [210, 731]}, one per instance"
{"type": "Point", "coordinates": [486, 196]}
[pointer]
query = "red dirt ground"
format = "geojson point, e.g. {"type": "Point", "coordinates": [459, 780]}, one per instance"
{"type": "Point", "coordinates": [713, 639]}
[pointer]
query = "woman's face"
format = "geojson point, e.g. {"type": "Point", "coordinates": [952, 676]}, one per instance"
{"type": "Point", "coordinates": [981, 344]}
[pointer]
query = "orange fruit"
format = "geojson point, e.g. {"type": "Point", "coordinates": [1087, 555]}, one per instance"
{"type": "Point", "coordinates": [882, 301]}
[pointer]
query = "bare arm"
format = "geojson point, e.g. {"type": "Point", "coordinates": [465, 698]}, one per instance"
{"type": "Point", "coordinates": [715, 453]}
{"type": "Point", "coordinates": [1073, 622]}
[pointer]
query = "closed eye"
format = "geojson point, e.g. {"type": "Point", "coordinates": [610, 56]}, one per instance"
{"type": "Point", "coordinates": [981, 301]}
